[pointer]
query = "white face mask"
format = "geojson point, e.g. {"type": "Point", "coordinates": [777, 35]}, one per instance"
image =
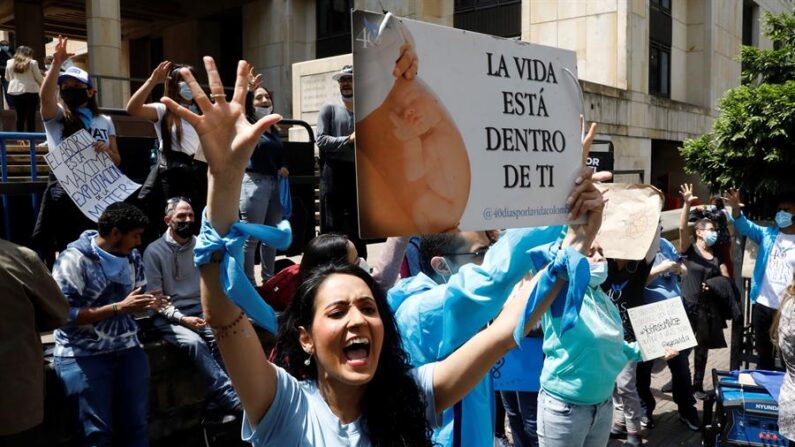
{"type": "Point", "coordinates": [598, 273]}
{"type": "Point", "coordinates": [261, 112]}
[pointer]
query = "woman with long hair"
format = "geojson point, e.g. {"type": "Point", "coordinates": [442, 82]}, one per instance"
{"type": "Point", "coordinates": [259, 199]}
{"type": "Point", "coordinates": [338, 334]}
{"type": "Point", "coordinates": [702, 263]}
{"type": "Point", "coordinates": [24, 79]}
{"type": "Point", "coordinates": [60, 221]}
{"type": "Point", "coordinates": [181, 167]}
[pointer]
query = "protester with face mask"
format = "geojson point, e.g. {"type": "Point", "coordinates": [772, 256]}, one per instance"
{"type": "Point", "coordinates": [170, 272]}
{"type": "Point", "coordinates": [259, 198]}
{"type": "Point", "coordinates": [181, 169]}
{"type": "Point", "coordinates": [702, 263]}
{"type": "Point", "coordinates": [60, 221]}
{"type": "Point", "coordinates": [771, 273]}
{"type": "Point", "coordinates": [581, 365]}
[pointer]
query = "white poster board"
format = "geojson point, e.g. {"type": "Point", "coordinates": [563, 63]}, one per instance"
{"type": "Point", "coordinates": [659, 325]}
{"type": "Point", "coordinates": [479, 133]}
{"type": "Point", "coordinates": [90, 178]}
{"type": "Point", "coordinates": [631, 220]}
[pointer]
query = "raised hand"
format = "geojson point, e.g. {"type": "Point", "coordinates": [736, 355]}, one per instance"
{"type": "Point", "coordinates": [686, 190]}
{"type": "Point", "coordinates": [228, 139]}
{"type": "Point", "coordinates": [254, 79]}
{"type": "Point", "coordinates": [732, 198]}
{"type": "Point", "coordinates": [160, 73]}
{"type": "Point", "coordinates": [61, 55]}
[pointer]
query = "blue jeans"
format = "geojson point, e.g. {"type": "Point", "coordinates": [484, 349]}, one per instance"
{"type": "Point", "coordinates": [259, 203]}
{"type": "Point", "coordinates": [109, 393]}
{"type": "Point", "coordinates": [521, 407]}
{"type": "Point", "coordinates": [200, 347]}
{"type": "Point", "coordinates": [561, 424]}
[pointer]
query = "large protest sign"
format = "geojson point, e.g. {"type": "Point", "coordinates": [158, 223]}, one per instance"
{"type": "Point", "coordinates": [89, 177]}
{"type": "Point", "coordinates": [631, 220]}
{"type": "Point", "coordinates": [478, 133]}
{"type": "Point", "coordinates": [660, 325]}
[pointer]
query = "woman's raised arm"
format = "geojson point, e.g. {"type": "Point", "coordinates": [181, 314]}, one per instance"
{"type": "Point", "coordinates": [228, 141]}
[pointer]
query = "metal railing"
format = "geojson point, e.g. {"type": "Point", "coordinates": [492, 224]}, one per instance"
{"type": "Point", "coordinates": [18, 188]}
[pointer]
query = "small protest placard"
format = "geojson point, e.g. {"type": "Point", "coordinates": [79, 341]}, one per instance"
{"type": "Point", "coordinates": [660, 325]}
{"type": "Point", "coordinates": [477, 133]}
{"type": "Point", "coordinates": [520, 369]}
{"type": "Point", "coordinates": [90, 178]}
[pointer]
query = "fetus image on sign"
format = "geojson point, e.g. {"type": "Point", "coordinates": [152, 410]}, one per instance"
{"type": "Point", "coordinates": [412, 166]}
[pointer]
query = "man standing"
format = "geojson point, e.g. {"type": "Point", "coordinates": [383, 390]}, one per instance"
{"type": "Point", "coordinates": [168, 263]}
{"type": "Point", "coordinates": [335, 139]}
{"type": "Point", "coordinates": [98, 356]}
{"type": "Point", "coordinates": [32, 303]}
{"type": "Point", "coordinates": [772, 275]}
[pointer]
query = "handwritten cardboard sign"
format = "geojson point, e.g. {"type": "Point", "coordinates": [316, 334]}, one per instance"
{"type": "Point", "coordinates": [91, 179]}
{"type": "Point", "coordinates": [659, 325]}
{"type": "Point", "coordinates": [631, 220]}
{"type": "Point", "coordinates": [520, 369]}
{"type": "Point", "coordinates": [479, 132]}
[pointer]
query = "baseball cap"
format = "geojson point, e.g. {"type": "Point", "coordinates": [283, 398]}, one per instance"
{"type": "Point", "coordinates": [77, 74]}
{"type": "Point", "coordinates": [346, 71]}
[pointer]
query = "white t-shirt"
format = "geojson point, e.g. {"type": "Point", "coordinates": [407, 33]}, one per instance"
{"type": "Point", "coordinates": [777, 273]}
{"type": "Point", "coordinates": [190, 139]}
{"type": "Point", "coordinates": [299, 416]}
{"type": "Point", "coordinates": [101, 128]}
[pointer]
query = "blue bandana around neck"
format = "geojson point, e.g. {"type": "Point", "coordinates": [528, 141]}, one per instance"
{"type": "Point", "coordinates": [86, 116]}
{"type": "Point", "coordinates": [116, 268]}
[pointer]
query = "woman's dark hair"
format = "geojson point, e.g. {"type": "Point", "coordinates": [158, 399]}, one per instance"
{"type": "Point", "coordinates": [170, 120]}
{"type": "Point", "coordinates": [71, 121]}
{"type": "Point", "coordinates": [250, 110]}
{"type": "Point", "coordinates": [324, 249]}
{"type": "Point", "coordinates": [393, 408]}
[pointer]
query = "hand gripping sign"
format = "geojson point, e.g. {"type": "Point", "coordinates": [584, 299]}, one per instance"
{"type": "Point", "coordinates": [456, 129]}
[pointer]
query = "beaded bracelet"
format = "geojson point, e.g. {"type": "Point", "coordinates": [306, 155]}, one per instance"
{"type": "Point", "coordinates": [229, 329]}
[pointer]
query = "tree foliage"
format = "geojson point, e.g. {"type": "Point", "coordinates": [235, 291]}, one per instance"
{"type": "Point", "coordinates": [751, 143]}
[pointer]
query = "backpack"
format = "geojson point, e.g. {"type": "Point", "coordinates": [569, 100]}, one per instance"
{"type": "Point", "coordinates": [278, 291]}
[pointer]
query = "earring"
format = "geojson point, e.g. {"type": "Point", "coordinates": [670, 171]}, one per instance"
{"type": "Point", "coordinates": [308, 360]}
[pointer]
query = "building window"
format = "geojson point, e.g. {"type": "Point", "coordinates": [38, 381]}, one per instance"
{"type": "Point", "coordinates": [750, 23]}
{"type": "Point", "coordinates": [496, 17]}
{"type": "Point", "coordinates": [660, 29]}
{"type": "Point", "coordinates": [333, 27]}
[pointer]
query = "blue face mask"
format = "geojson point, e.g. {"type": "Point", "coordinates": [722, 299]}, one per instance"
{"type": "Point", "coordinates": [710, 237]}
{"type": "Point", "coordinates": [184, 91]}
{"type": "Point", "coordinates": [598, 273]}
{"type": "Point", "coordinates": [783, 219]}
{"type": "Point", "coordinates": [116, 268]}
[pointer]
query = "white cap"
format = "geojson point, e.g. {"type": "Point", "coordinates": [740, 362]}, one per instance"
{"type": "Point", "coordinates": [75, 73]}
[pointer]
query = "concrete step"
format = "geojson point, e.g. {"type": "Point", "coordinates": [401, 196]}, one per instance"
{"type": "Point", "coordinates": [24, 148]}
{"type": "Point", "coordinates": [24, 170]}
{"type": "Point", "coordinates": [20, 159]}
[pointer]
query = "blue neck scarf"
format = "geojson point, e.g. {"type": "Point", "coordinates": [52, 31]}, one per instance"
{"type": "Point", "coordinates": [86, 116]}
{"type": "Point", "coordinates": [233, 279]}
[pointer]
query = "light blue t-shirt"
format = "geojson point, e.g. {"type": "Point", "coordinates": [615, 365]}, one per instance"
{"type": "Point", "coordinates": [299, 416]}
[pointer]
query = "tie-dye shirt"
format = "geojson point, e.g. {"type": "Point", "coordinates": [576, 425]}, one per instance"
{"type": "Point", "coordinates": [79, 274]}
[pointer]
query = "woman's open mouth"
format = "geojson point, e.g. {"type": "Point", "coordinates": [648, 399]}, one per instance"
{"type": "Point", "coordinates": [357, 351]}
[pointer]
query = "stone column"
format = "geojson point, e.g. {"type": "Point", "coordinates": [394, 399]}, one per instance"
{"type": "Point", "coordinates": [29, 24]}
{"type": "Point", "coordinates": [275, 35]}
{"type": "Point", "coordinates": [103, 20]}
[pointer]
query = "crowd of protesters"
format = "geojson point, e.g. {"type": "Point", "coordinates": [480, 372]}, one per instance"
{"type": "Point", "coordinates": [360, 358]}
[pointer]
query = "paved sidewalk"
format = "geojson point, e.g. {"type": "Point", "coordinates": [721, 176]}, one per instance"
{"type": "Point", "coordinates": [669, 431]}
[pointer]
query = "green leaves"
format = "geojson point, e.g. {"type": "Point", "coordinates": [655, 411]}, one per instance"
{"type": "Point", "coordinates": [751, 142]}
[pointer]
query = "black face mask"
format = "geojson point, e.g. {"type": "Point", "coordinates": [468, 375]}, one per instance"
{"type": "Point", "coordinates": [183, 229]}
{"type": "Point", "coordinates": [74, 97]}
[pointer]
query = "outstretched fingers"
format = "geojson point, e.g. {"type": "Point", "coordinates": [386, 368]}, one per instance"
{"type": "Point", "coordinates": [199, 96]}
{"type": "Point", "coordinates": [241, 82]}
{"type": "Point", "coordinates": [181, 112]}
{"type": "Point", "coordinates": [264, 123]}
{"type": "Point", "coordinates": [216, 86]}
